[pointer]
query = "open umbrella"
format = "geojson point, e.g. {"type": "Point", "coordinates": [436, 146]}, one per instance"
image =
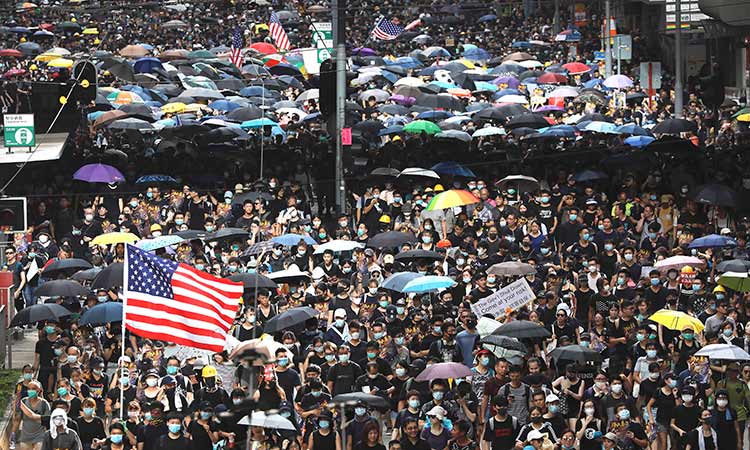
{"type": "Point", "coordinates": [511, 268]}
{"type": "Point", "coordinates": [676, 320]}
{"type": "Point", "coordinates": [678, 262]}
{"type": "Point", "coordinates": [42, 312]}
{"type": "Point", "coordinates": [618, 82]}
{"type": "Point", "coordinates": [504, 342]}
{"type": "Point", "coordinates": [290, 318]}
{"type": "Point", "coordinates": [86, 275]}
{"type": "Point", "coordinates": [98, 173]}
{"type": "Point", "coordinates": [429, 283]}
{"type": "Point", "coordinates": [108, 278]}
{"type": "Point", "coordinates": [726, 352]}
{"type": "Point", "coordinates": [291, 239]}
{"type": "Point", "coordinates": [734, 265]}
{"type": "Point", "coordinates": [713, 241]}
{"type": "Point", "coordinates": [412, 255]}
{"type": "Point", "coordinates": [418, 172]}
{"type": "Point", "coordinates": [714, 194]}
{"type": "Point", "coordinates": [451, 198]}
{"type": "Point", "coordinates": [227, 234]}
{"type": "Point", "coordinates": [159, 242]}
{"type": "Point", "coordinates": [421, 126]}
{"type": "Point", "coordinates": [391, 239]}
{"type": "Point", "coordinates": [443, 371]}
{"type": "Point", "coordinates": [61, 288]}
{"type": "Point", "coordinates": [575, 353]}
{"type": "Point", "coordinates": [352, 398]}
{"type": "Point", "coordinates": [674, 126]}
{"type": "Point", "coordinates": [737, 281]}
{"type": "Point", "coordinates": [66, 267]}
{"type": "Point", "coordinates": [263, 420]}
{"type": "Point", "coordinates": [290, 275]}
{"type": "Point", "coordinates": [115, 237]}
{"type": "Point", "coordinates": [522, 329]}
{"type": "Point", "coordinates": [102, 314]}
{"type": "Point", "coordinates": [338, 245]}
{"type": "Point", "coordinates": [253, 280]}
{"type": "Point", "coordinates": [522, 182]}
{"type": "Point", "coordinates": [398, 281]}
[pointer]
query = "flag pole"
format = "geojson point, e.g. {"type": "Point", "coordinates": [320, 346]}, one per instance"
{"type": "Point", "coordinates": [122, 344]}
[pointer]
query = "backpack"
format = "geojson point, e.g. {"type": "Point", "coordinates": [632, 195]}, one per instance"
{"type": "Point", "coordinates": [514, 421]}
{"type": "Point", "coordinates": [506, 391]}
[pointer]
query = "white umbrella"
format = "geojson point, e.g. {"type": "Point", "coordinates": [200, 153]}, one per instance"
{"type": "Point", "coordinates": [261, 419]}
{"type": "Point", "coordinates": [563, 92]}
{"type": "Point", "coordinates": [489, 131]}
{"type": "Point", "coordinates": [409, 81]}
{"type": "Point", "coordinates": [419, 172]}
{"type": "Point", "coordinates": [724, 351]}
{"type": "Point", "coordinates": [513, 98]}
{"type": "Point", "coordinates": [485, 326]}
{"type": "Point", "coordinates": [338, 245]}
{"type": "Point", "coordinates": [290, 274]}
{"type": "Point", "coordinates": [531, 64]}
{"type": "Point", "coordinates": [312, 94]}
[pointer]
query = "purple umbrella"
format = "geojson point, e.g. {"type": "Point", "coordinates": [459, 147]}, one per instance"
{"type": "Point", "coordinates": [364, 51]}
{"type": "Point", "coordinates": [618, 82]}
{"type": "Point", "coordinates": [547, 108]}
{"type": "Point", "coordinates": [443, 371]}
{"type": "Point", "coordinates": [403, 100]}
{"type": "Point", "coordinates": [512, 82]}
{"type": "Point", "coordinates": [98, 173]}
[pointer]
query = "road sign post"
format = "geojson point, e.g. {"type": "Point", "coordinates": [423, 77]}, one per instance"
{"type": "Point", "coordinates": [18, 130]}
{"type": "Point", "coordinates": [650, 73]}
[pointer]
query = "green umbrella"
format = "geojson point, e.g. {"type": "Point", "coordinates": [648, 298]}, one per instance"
{"type": "Point", "coordinates": [741, 112]}
{"type": "Point", "coordinates": [201, 54]}
{"type": "Point", "coordinates": [420, 126]}
{"type": "Point", "coordinates": [737, 281]}
{"type": "Point", "coordinates": [68, 26]}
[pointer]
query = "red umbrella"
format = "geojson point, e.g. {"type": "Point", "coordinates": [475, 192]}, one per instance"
{"type": "Point", "coordinates": [10, 52]}
{"type": "Point", "coordinates": [576, 68]}
{"type": "Point", "coordinates": [552, 78]}
{"type": "Point", "coordinates": [14, 72]}
{"type": "Point", "coordinates": [47, 26]}
{"type": "Point", "coordinates": [264, 47]}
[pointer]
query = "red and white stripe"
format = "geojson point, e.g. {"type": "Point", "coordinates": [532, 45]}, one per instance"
{"type": "Point", "coordinates": [199, 316]}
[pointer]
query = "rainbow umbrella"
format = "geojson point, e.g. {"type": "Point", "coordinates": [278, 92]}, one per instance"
{"type": "Point", "coordinates": [124, 98]}
{"type": "Point", "coordinates": [452, 198]}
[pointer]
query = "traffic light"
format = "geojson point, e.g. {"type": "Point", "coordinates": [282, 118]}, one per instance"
{"type": "Point", "coordinates": [327, 88]}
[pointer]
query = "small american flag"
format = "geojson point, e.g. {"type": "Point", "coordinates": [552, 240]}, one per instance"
{"type": "Point", "coordinates": [177, 303]}
{"type": "Point", "coordinates": [386, 30]}
{"type": "Point", "coordinates": [277, 33]}
{"type": "Point", "coordinates": [237, 44]}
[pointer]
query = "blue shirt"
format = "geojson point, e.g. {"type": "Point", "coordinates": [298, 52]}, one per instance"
{"type": "Point", "coordinates": [466, 341]}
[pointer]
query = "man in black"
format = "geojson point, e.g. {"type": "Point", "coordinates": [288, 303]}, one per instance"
{"type": "Point", "coordinates": [501, 429]}
{"type": "Point", "coordinates": [686, 416]}
{"type": "Point", "coordinates": [567, 231]}
{"type": "Point", "coordinates": [149, 432]}
{"type": "Point", "coordinates": [174, 439]}
{"type": "Point", "coordinates": [343, 375]}
{"type": "Point", "coordinates": [410, 439]}
{"type": "Point", "coordinates": [287, 377]}
{"type": "Point", "coordinates": [656, 294]}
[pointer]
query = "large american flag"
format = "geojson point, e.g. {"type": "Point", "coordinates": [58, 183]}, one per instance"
{"type": "Point", "coordinates": [386, 30]}
{"type": "Point", "coordinates": [277, 33]}
{"type": "Point", "coordinates": [237, 44]}
{"type": "Point", "coordinates": [177, 303]}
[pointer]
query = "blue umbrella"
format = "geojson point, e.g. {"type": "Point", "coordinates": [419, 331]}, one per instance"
{"type": "Point", "coordinates": [102, 314]}
{"type": "Point", "coordinates": [159, 242]}
{"type": "Point", "coordinates": [290, 239]}
{"type": "Point", "coordinates": [639, 141]}
{"type": "Point", "coordinates": [393, 129]}
{"type": "Point", "coordinates": [428, 283]}
{"type": "Point", "coordinates": [713, 241]}
{"type": "Point", "coordinates": [488, 18]}
{"type": "Point", "coordinates": [521, 44]}
{"type": "Point", "coordinates": [633, 129]}
{"type": "Point", "coordinates": [594, 82]}
{"type": "Point", "coordinates": [601, 127]}
{"type": "Point", "coordinates": [434, 115]}
{"type": "Point", "coordinates": [256, 91]}
{"type": "Point", "coordinates": [476, 54]}
{"type": "Point", "coordinates": [155, 179]}
{"type": "Point", "coordinates": [145, 65]}
{"type": "Point", "coordinates": [398, 281]}
{"type": "Point", "coordinates": [453, 168]}
{"type": "Point", "coordinates": [590, 175]}
{"type": "Point", "coordinates": [224, 105]}
{"type": "Point", "coordinates": [258, 123]}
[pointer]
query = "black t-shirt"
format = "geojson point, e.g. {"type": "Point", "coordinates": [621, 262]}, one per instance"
{"type": "Point", "coordinates": [584, 302]}
{"type": "Point", "coordinates": [46, 353]}
{"type": "Point", "coordinates": [344, 377]}
{"type": "Point", "coordinates": [88, 431]}
{"type": "Point", "coordinates": [666, 405]}
{"type": "Point", "coordinates": [114, 396]}
{"type": "Point", "coordinates": [687, 418]}
{"type": "Point", "coordinates": [181, 443]}
{"type": "Point", "coordinates": [586, 442]}
{"type": "Point", "coordinates": [288, 380]}
{"type": "Point", "coordinates": [149, 435]}
{"type": "Point", "coordinates": [201, 439]}
{"type": "Point", "coordinates": [692, 439]}
{"type": "Point", "coordinates": [502, 434]}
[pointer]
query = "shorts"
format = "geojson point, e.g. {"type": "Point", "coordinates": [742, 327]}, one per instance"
{"type": "Point", "coordinates": [660, 428]}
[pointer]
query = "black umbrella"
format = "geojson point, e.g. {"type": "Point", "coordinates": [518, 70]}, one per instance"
{"type": "Point", "coordinates": [190, 235]}
{"type": "Point", "coordinates": [61, 288]}
{"type": "Point", "coordinates": [253, 280]}
{"type": "Point", "coordinates": [227, 234]}
{"type": "Point", "coordinates": [527, 120]}
{"type": "Point", "coordinates": [391, 239]}
{"type": "Point", "coordinates": [252, 196]}
{"type": "Point", "coordinates": [505, 342]}
{"type": "Point", "coordinates": [418, 254]}
{"type": "Point", "coordinates": [575, 353]}
{"type": "Point", "coordinates": [66, 267]}
{"type": "Point", "coordinates": [385, 172]}
{"type": "Point", "coordinates": [734, 265]}
{"type": "Point", "coordinates": [122, 70]}
{"type": "Point", "coordinates": [714, 194]}
{"type": "Point", "coordinates": [290, 318]}
{"type": "Point", "coordinates": [139, 111]}
{"type": "Point", "coordinates": [590, 175]}
{"type": "Point", "coordinates": [39, 313]}
{"type": "Point", "coordinates": [671, 144]}
{"type": "Point", "coordinates": [110, 277]}
{"type": "Point", "coordinates": [374, 401]}
{"type": "Point", "coordinates": [674, 126]}
{"type": "Point", "coordinates": [86, 275]}
{"type": "Point", "coordinates": [245, 113]}
{"type": "Point", "coordinates": [522, 329]}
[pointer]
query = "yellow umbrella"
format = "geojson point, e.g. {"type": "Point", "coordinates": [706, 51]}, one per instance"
{"type": "Point", "coordinates": [115, 237]}
{"type": "Point", "coordinates": [61, 63]}
{"type": "Point", "coordinates": [676, 320]}
{"type": "Point", "coordinates": [173, 108]}
{"type": "Point", "coordinates": [47, 57]}
{"type": "Point", "coordinates": [744, 117]}
{"type": "Point", "coordinates": [89, 31]}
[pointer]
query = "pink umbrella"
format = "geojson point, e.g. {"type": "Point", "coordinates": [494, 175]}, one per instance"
{"type": "Point", "coordinates": [678, 262]}
{"type": "Point", "coordinates": [443, 371]}
{"type": "Point", "coordinates": [14, 72]}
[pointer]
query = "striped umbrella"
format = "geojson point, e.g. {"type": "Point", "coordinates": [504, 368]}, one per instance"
{"type": "Point", "coordinates": [452, 198]}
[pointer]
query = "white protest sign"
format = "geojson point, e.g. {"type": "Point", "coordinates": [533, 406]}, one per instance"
{"type": "Point", "coordinates": [511, 297]}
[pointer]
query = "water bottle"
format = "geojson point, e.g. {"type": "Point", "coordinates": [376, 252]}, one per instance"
{"type": "Point", "coordinates": [12, 441]}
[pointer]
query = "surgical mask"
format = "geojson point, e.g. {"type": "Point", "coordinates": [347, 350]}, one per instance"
{"type": "Point", "coordinates": [544, 199]}
{"type": "Point", "coordinates": [58, 351]}
{"type": "Point", "coordinates": [89, 217]}
{"type": "Point", "coordinates": [437, 329]}
{"type": "Point", "coordinates": [466, 280]}
{"type": "Point", "coordinates": [544, 250]}
{"type": "Point", "coordinates": [324, 424]}
{"type": "Point", "coordinates": [371, 355]}
{"type": "Point", "coordinates": [628, 256]}
{"type": "Point", "coordinates": [283, 362]}
{"type": "Point", "coordinates": [373, 290]}
{"type": "Point", "coordinates": [616, 388]}
{"type": "Point", "coordinates": [437, 395]}
{"type": "Point", "coordinates": [360, 411]}
{"type": "Point", "coordinates": [322, 235]}
{"type": "Point", "coordinates": [174, 428]}
{"type": "Point", "coordinates": [49, 329]}
{"type": "Point", "coordinates": [343, 358]}
{"type": "Point", "coordinates": [592, 269]}
{"type": "Point", "coordinates": [340, 323]}
{"type": "Point", "coordinates": [553, 409]}
{"type": "Point", "coordinates": [102, 298]}
{"type": "Point", "coordinates": [503, 223]}
{"type": "Point", "coordinates": [329, 358]}
{"type": "Point", "coordinates": [586, 236]}
{"type": "Point", "coordinates": [624, 414]}
{"type": "Point", "coordinates": [179, 221]}
{"type": "Point", "coordinates": [722, 402]}
{"type": "Point", "coordinates": [491, 279]}
{"type": "Point", "coordinates": [600, 384]}
{"type": "Point", "coordinates": [620, 281]}
{"type": "Point", "coordinates": [589, 411]}
{"type": "Point", "coordinates": [200, 266]}
{"type": "Point", "coordinates": [209, 228]}
{"type": "Point", "coordinates": [414, 403]}
{"type": "Point", "coordinates": [72, 359]}
{"type": "Point", "coordinates": [687, 398]}
{"type": "Point", "coordinates": [640, 336]}
{"type": "Point", "coordinates": [58, 421]}
{"type": "Point", "coordinates": [156, 234]}
{"type": "Point", "coordinates": [399, 310]}
{"type": "Point", "coordinates": [728, 332]}
{"type": "Point", "coordinates": [205, 415]}
{"type": "Point", "coordinates": [400, 371]}
{"type": "Point", "coordinates": [609, 247]}
{"type": "Point", "coordinates": [485, 361]}
{"type": "Point", "coordinates": [696, 287]}
{"type": "Point", "coordinates": [718, 297]}
{"type": "Point", "coordinates": [124, 381]}
{"type": "Point", "coordinates": [673, 383]}
{"type": "Point", "coordinates": [655, 281]}
{"type": "Point", "coordinates": [653, 376]}
{"type": "Point", "coordinates": [343, 224]}
{"type": "Point", "coordinates": [426, 239]}
{"type": "Point", "coordinates": [236, 401]}
{"type": "Point", "coordinates": [688, 336]}
{"type": "Point", "coordinates": [148, 416]}
{"type": "Point", "coordinates": [651, 354]}
{"type": "Point", "coordinates": [115, 438]}
{"type": "Point", "coordinates": [62, 392]}
{"type": "Point", "coordinates": [88, 411]}
{"type": "Point", "coordinates": [355, 335]}
{"type": "Point", "coordinates": [383, 303]}
{"type": "Point", "coordinates": [151, 382]}
{"type": "Point", "coordinates": [399, 341]}
{"type": "Point", "coordinates": [573, 217]}
{"type": "Point", "coordinates": [277, 251]}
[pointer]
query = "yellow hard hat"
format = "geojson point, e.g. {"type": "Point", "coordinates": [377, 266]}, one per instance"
{"type": "Point", "coordinates": [97, 41]}
{"type": "Point", "coordinates": [33, 67]}
{"type": "Point", "coordinates": [687, 269]}
{"type": "Point", "coordinates": [385, 218]}
{"type": "Point", "coordinates": [23, 39]}
{"type": "Point", "coordinates": [208, 372]}
{"type": "Point", "coordinates": [438, 188]}
{"type": "Point", "coordinates": [73, 19]}
{"type": "Point", "coordinates": [719, 288]}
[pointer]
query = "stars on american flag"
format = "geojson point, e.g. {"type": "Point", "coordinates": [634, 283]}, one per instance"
{"type": "Point", "coordinates": [152, 275]}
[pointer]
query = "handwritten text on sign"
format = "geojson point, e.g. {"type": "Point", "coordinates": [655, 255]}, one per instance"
{"type": "Point", "coordinates": [511, 297]}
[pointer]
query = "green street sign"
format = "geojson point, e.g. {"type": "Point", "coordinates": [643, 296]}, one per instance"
{"type": "Point", "coordinates": [324, 53]}
{"type": "Point", "coordinates": [19, 130]}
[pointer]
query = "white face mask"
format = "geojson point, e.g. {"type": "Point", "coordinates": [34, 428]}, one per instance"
{"type": "Point", "coordinates": [589, 411]}
{"type": "Point", "coordinates": [722, 402]}
{"type": "Point", "coordinates": [151, 382]}
{"type": "Point", "coordinates": [616, 388]}
{"type": "Point", "coordinates": [687, 398]}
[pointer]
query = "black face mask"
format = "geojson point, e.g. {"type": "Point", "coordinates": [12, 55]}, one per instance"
{"type": "Point", "coordinates": [537, 419]}
{"type": "Point", "coordinates": [502, 410]}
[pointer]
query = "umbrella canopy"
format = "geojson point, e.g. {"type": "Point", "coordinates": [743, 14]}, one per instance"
{"type": "Point", "coordinates": [443, 371]}
{"type": "Point", "coordinates": [103, 313]}
{"type": "Point", "coordinates": [727, 352]}
{"type": "Point", "coordinates": [676, 320]}
{"type": "Point", "coordinates": [289, 318]}
{"type": "Point", "coordinates": [227, 234]}
{"type": "Point", "coordinates": [678, 262]}
{"type": "Point", "coordinates": [412, 255]}
{"type": "Point", "coordinates": [264, 346]}
{"type": "Point", "coordinates": [66, 267]}
{"type": "Point", "coordinates": [511, 268]}
{"type": "Point", "coordinates": [734, 265]}
{"type": "Point", "coordinates": [422, 126]}
{"type": "Point", "coordinates": [391, 239]}
{"type": "Point", "coordinates": [398, 281]}
{"type": "Point", "coordinates": [291, 239]}
{"type": "Point", "coordinates": [504, 342]}
{"type": "Point", "coordinates": [738, 281]}
{"type": "Point", "coordinates": [618, 82]}
{"type": "Point", "coordinates": [451, 198]}
{"type": "Point", "coordinates": [253, 280]}
{"type": "Point", "coordinates": [373, 401]}
{"type": "Point", "coordinates": [98, 173]}
{"type": "Point", "coordinates": [86, 275]}
{"type": "Point", "coordinates": [42, 312]}
{"type": "Point", "coordinates": [338, 245]}
{"type": "Point", "coordinates": [453, 168]}
{"type": "Point", "coordinates": [115, 237]}
{"type": "Point", "coordinates": [110, 277]}
{"type": "Point", "coordinates": [290, 275]}
{"type": "Point", "coordinates": [575, 353]}
{"type": "Point", "coordinates": [522, 182]}
{"type": "Point", "coordinates": [674, 126]}
{"type": "Point", "coordinates": [715, 194]}
{"type": "Point", "coordinates": [522, 329]}
{"type": "Point", "coordinates": [159, 242]}
{"type": "Point", "coordinates": [419, 172]}
{"type": "Point", "coordinates": [61, 288]}
{"type": "Point", "coordinates": [713, 241]}
{"type": "Point", "coordinates": [429, 283]}
{"type": "Point", "coordinates": [263, 420]}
